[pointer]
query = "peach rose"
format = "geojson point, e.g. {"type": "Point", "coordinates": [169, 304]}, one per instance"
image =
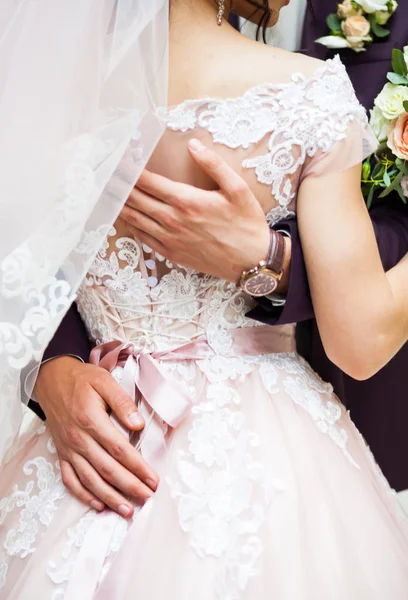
{"type": "Point", "coordinates": [398, 138]}
{"type": "Point", "coordinates": [357, 28]}
{"type": "Point", "coordinates": [346, 9]}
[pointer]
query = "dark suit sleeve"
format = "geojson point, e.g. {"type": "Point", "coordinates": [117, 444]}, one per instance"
{"type": "Point", "coordinates": [70, 338]}
{"type": "Point", "coordinates": [390, 222]}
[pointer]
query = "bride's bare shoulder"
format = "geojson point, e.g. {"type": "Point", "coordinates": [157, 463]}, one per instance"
{"type": "Point", "coordinates": [265, 63]}
{"type": "Point", "coordinates": [255, 63]}
{"type": "Point", "coordinates": [238, 65]}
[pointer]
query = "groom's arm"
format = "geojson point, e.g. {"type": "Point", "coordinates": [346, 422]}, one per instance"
{"type": "Point", "coordinates": [390, 223]}
{"type": "Point", "coordinates": [70, 338]}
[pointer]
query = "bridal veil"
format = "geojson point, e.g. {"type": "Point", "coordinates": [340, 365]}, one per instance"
{"type": "Point", "coordinates": [79, 84]}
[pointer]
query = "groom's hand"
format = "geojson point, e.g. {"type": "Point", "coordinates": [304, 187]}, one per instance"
{"type": "Point", "coordinates": [221, 232]}
{"type": "Point", "coordinates": [98, 465]}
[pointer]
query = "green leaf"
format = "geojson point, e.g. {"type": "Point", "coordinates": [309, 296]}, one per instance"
{"type": "Point", "coordinates": [377, 170]}
{"type": "Point", "coordinates": [370, 197]}
{"type": "Point", "coordinates": [401, 194]}
{"type": "Point", "coordinates": [398, 62]}
{"type": "Point", "coordinates": [404, 168]}
{"type": "Point", "coordinates": [387, 179]}
{"type": "Point", "coordinates": [377, 30]}
{"type": "Point", "coordinates": [365, 188]}
{"type": "Point", "coordinates": [397, 79]}
{"type": "Point", "coordinates": [333, 22]}
{"type": "Point", "coordinates": [402, 165]}
{"type": "Point", "coordinates": [405, 105]}
{"type": "Point", "coordinates": [392, 186]}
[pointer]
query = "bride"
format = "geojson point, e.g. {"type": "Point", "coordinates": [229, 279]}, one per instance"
{"type": "Point", "coordinates": [266, 488]}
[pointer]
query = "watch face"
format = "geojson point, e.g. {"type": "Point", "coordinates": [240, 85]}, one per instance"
{"type": "Point", "coordinates": [260, 284]}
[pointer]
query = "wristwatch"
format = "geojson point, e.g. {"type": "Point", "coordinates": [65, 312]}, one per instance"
{"type": "Point", "coordinates": [263, 279]}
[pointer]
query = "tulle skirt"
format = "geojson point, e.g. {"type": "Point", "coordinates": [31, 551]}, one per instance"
{"type": "Point", "coordinates": [266, 491]}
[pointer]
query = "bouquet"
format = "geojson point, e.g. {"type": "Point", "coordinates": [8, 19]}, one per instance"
{"type": "Point", "coordinates": [358, 23]}
{"type": "Point", "coordinates": [387, 169]}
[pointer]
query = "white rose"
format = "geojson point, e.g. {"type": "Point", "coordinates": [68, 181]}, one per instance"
{"type": "Point", "coordinates": [404, 185]}
{"type": "Point", "coordinates": [380, 126]}
{"type": "Point", "coordinates": [372, 6]}
{"type": "Point", "coordinates": [334, 42]}
{"type": "Point", "coordinates": [383, 16]}
{"type": "Point", "coordinates": [390, 100]}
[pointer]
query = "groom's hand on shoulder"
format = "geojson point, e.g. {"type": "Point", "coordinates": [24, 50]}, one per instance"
{"type": "Point", "coordinates": [98, 465]}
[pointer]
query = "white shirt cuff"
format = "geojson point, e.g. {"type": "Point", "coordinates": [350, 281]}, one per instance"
{"type": "Point", "coordinates": [29, 381]}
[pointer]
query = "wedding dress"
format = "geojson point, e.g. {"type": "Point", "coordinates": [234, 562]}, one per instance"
{"type": "Point", "coordinates": [266, 490]}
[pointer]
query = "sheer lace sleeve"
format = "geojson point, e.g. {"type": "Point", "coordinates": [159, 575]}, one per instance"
{"type": "Point", "coordinates": [320, 128]}
{"type": "Point", "coordinates": [342, 137]}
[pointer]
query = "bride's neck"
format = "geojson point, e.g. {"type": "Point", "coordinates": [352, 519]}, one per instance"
{"type": "Point", "coordinates": [197, 43]}
{"type": "Point", "coordinates": [194, 22]}
{"type": "Point", "coordinates": [187, 13]}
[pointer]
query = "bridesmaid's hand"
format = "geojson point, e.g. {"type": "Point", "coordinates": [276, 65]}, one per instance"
{"type": "Point", "coordinates": [98, 465]}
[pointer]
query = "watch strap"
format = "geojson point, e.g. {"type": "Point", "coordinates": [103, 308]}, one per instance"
{"type": "Point", "coordinates": [276, 254]}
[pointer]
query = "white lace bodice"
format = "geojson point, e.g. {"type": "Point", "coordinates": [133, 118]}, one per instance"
{"type": "Point", "coordinates": [282, 128]}
{"type": "Point", "coordinates": [124, 297]}
{"type": "Point", "coordinates": [280, 132]}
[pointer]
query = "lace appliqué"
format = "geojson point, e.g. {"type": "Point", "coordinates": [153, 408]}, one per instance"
{"type": "Point", "coordinates": [223, 493]}
{"type": "Point", "coordinates": [35, 509]}
{"type": "Point", "coordinates": [316, 397]}
{"type": "Point", "coordinates": [307, 390]}
{"type": "Point", "coordinates": [326, 414]}
{"type": "Point", "coordinates": [296, 119]}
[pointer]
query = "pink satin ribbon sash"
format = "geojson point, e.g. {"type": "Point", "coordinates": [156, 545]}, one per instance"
{"type": "Point", "coordinates": [145, 380]}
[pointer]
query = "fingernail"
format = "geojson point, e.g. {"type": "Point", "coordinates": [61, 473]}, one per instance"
{"type": "Point", "coordinates": [124, 510]}
{"type": "Point", "coordinates": [152, 484]}
{"type": "Point", "coordinates": [196, 145]}
{"type": "Point", "coordinates": [136, 419]}
{"type": "Point", "coordinates": [97, 505]}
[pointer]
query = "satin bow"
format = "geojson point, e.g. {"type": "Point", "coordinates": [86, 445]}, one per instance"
{"type": "Point", "coordinates": [158, 393]}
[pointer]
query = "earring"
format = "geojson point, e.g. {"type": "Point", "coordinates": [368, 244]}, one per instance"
{"type": "Point", "coordinates": [221, 10]}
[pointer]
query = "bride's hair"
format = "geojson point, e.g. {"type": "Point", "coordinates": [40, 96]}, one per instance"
{"type": "Point", "coordinates": [263, 23]}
